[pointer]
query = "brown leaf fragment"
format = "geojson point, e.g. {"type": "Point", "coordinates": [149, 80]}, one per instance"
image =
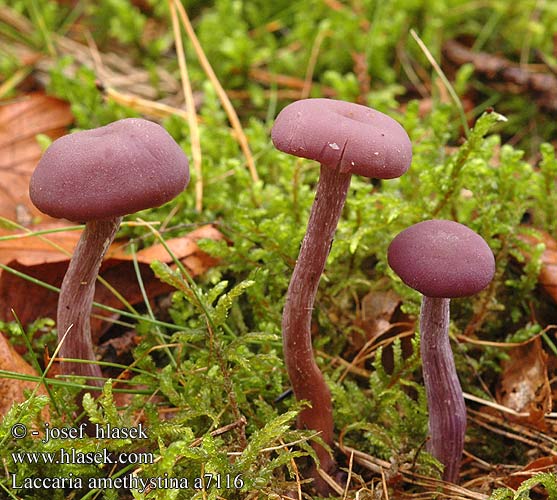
{"type": "Point", "coordinates": [181, 247]}
{"type": "Point", "coordinates": [524, 383]}
{"type": "Point", "coordinates": [377, 310]}
{"type": "Point", "coordinates": [374, 317]}
{"type": "Point", "coordinates": [543, 464]}
{"type": "Point", "coordinates": [11, 391]}
{"type": "Point", "coordinates": [32, 250]}
{"type": "Point", "coordinates": [31, 301]}
{"type": "Point", "coordinates": [20, 121]}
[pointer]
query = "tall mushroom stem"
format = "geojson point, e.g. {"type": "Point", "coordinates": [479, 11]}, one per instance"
{"type": "Point", "coordinates": [447, 410]}
{"type": "Point", "coordinates": [306, 378]}
{"type": "Point", "coordinates": [76, 297]}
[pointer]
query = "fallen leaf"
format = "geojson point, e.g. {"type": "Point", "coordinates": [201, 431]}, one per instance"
{"type": "Point", "coordinates": [11, 390]}
{"type": "Point", "coordinates": [31, 301]}
{"type": "Point", "coordinates": [543, 464]}
{"type": "Point", "coordinates": [377, 310]}
{"type": "Point", "coordinates": [20, 121]}
{"type": "Point", "coordinates": [524, 384]}
{"type": "Point", "coordinates": [374, 317]}
{"type": "Point", "coordinates": [182, 248]}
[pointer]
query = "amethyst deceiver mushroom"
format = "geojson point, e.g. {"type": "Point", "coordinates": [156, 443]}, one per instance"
{"type": "Point", "coordinates": [345, 139]}
{"type": "Point", "coordinates": [97, 176]}
{"type": "Point", "coordinates": [442, 260]}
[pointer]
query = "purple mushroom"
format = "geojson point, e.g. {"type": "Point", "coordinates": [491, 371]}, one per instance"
{"type": "Point", "coordinates": [442, 259]}
{"type": "Point", "coordinates": [346, 139]}
{"type": "Point", "coordinates": [97, 176]}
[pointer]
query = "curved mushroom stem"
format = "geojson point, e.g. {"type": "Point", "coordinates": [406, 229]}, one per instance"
{"type": "Point", "coordinates": [447, 410]}
{"type": "Point", "coordinates": [76, 298]}
{"type": "Point", "coordinates": [306, 378]}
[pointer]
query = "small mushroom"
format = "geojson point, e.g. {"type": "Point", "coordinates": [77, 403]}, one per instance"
{"type": "Point", "coordinates": [97, 176]}
{"type": "Point", "coordinates": [442, 259]}
{"type": "Point", "coordinates": [346, 139]}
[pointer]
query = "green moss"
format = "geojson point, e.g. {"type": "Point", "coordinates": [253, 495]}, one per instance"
{"type": "Point", "coordinates": [206, 381]}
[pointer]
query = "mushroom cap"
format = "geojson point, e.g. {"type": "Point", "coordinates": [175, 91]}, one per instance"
{"type": "Point", "coordinates": [358, 139]}
{"type": "Point", "coordinates": [442, 258]}
{"type": "Point", "coordinates": [110, 171]}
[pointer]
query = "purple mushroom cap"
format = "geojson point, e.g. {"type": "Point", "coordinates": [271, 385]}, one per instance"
{"type": "Point", "coordinates": [111, 171]}
{"type": "Point", "coordinates": [442, 259]}
{"type": "Point", "coordinates": [358, 139]}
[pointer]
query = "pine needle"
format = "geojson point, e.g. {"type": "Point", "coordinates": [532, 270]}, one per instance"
{"type": "Point", "coordinates": [225, 101]}
{"type": "Point", "coordinates": [190, 107]}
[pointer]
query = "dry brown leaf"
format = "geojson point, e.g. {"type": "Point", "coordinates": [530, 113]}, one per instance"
{"type": "Point", "coordinates": [29, 250]}
{"type": "Point", "coordinates": [32, 250]}
{"type": "Point", "coordinates": [524, 384]}
{"type": "Point", "coordinates": [20, 121]}
{"type": "Point", "coordinates": [377, 310]}
{"type": "Point", "coordinates": [543, 464]}
{"type": "Point", "coordinates": [374, 317]}
{"type": "Point", "coordinates": [31, 301]}
{"type": "Point", "coordinates": [12, 390]}
{"type": "Point", "coordinates": [181, 247]}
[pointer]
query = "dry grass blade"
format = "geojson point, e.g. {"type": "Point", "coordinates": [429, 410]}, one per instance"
{"type": "Point", "coordinates": [12, 82]}
{"type": "Point", "coordinates": [293, 85]}
{"type": "Point", "coordinates": [190, 107]}
{"type": "Point", "coordinates": [320, 37]}
{"type": "Point", "coordinates": [227, 105]}
{"type": "Point", "coordinates": [491, 404]}
{"type": "Point", "coordinates": [432, 485]}
{"type": "Point", "coordinates": [348, 480]}
{"type": "Point", "coordinates": [146, 107]}
{"type": "Point", "coordinates": [444, 79]}
{"type": "Point", "coordinates": [330, 481]}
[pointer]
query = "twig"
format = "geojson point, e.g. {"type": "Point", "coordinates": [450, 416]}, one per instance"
{"type": "Point", "coordinates": [495, 406]}
{"type": "Point", "coordinates": [386, 469]}
{"type": "Point", "coordinates": [290, 82]}
{"type": "Point", "coordinates": [350, 466]}
{"type": "Point", "coordinates": [228, 386]}
{"type": "Point", "coordinates": [241, 423]}
{"type": "Point", "coordinates": [142, 105]}
{"type": "Point", "coordinates": [330, 481]}
{"type": "Point", "coordinates": [528, 437]}
{"type": "Point", "coordinates": [543, 86]}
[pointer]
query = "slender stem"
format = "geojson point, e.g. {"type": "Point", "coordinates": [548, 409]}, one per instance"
{"type": "Point", "coordinates": [447, 410]}
{"type": "Point", "coordinates": [306, 378]}
{"type": "Point", "coordinates": [76, 297]}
